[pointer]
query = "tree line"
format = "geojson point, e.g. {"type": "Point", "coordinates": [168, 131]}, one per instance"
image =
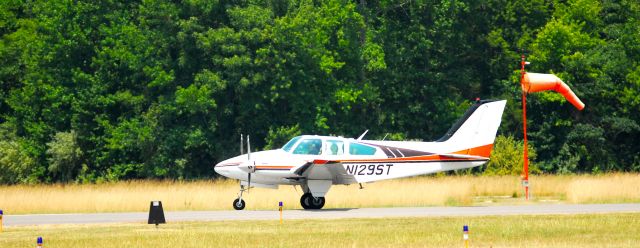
{"type": "Point", "coordinates": [108, 90]}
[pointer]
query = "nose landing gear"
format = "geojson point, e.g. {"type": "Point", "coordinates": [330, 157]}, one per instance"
{"type": "Point", "coordinates": [238, 204]}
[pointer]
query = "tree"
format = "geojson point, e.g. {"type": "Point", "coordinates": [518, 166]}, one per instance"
{"type": "Point", "coordinates": [64, 156]}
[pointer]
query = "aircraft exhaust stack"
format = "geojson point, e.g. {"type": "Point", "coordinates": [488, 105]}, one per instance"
{"type": "Point", "coordinates": [535, 82]}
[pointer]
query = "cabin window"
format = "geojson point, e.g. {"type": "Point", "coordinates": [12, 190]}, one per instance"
{"type": "Point", "coordinates": [309, 147]}
{"type": "Point", "coordinates": [287, 147]}
{"type": "Point", "coordinates": [334, 147]}
{"type": "Point", "coordinates": [359, 149]}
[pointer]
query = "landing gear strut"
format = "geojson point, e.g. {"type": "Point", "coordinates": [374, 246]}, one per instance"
{"type": "Point", "coordinates": [238, 204]}
{"type": "Point", "coordinates": [309, 202]}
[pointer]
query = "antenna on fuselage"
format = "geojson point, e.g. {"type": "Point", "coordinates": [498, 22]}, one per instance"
{"type": "Point", "coordinates": [363, 134]}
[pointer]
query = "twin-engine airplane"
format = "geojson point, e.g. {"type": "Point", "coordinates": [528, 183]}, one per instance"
{"type": "Point", "coordinates": [317, 162]}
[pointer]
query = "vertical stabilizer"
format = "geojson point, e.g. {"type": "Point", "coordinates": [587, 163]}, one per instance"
{"type": "Point", "coordinates": [474, 133]}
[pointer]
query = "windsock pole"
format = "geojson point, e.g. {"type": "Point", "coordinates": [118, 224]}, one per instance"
{"type": "Point", "coordinates": [525, 176]}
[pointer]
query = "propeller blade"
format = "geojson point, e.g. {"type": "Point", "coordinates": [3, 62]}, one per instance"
{"type": "Point", "coordinates": [248, 148]}
{"type": "Point", "coordinates": [251, 167]}
{"type": "Point", "coordinates": [241, 145]}
{"type": "Point", "coordinates": [249, 182]}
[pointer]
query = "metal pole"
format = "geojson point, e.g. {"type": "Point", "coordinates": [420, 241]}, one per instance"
{"type": "Point", "coordinates": [525, 179]}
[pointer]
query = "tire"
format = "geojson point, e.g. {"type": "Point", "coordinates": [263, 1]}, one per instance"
{"type": "Point", "coordinates": [317, 202]}
{"type": "Point", "coordinates": [309, 202]}
{"type": "Point", "coordinates": [238, 204]}
{"type": "Point", "coordinates": [304, 201]}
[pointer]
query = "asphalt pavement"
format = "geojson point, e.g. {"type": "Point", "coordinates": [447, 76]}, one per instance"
{"type": "Point", "coordinates": [228, 215]}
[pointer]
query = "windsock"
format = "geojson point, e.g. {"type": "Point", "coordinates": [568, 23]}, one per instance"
{"type": "Point", "coordinates": [535, 82]}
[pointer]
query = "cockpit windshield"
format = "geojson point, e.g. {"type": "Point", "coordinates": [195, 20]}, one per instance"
{"type": "Point", "coordinates": [308, 147]}
{"type": "Point", "coordinates": [287, 147]}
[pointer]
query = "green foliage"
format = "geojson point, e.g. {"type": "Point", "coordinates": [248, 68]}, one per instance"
{"type": "Point", "coordinates": [16, 163]}
{"type": "Point", "coordinates": [64, 155]}
{"type": "Point", "coordinates": [278, 137]}
{"type": "Point", "coordinates": [162, 89]}
{"type": "Point", "coordinates": [507, 157]}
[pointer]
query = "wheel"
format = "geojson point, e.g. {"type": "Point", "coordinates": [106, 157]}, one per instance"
{"type": "Point", "coordinates": [304, 201]}
{"type": "Point", "coordinates": [317, 202]}
{"type": "Point", "coordinates": [309, 202]}
{"type": "Point", "coordinates": [238, 204]}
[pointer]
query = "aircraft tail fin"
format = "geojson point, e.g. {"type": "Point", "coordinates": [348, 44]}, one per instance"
{"type": "Point", "coordinates": [474, 133]}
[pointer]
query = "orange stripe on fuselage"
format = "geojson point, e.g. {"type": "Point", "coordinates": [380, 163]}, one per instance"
{"type": "Point", "coordinates": [482, 151]}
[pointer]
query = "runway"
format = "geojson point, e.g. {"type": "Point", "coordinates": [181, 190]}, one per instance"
{"type": "Point", "coordinates": [141, 217]}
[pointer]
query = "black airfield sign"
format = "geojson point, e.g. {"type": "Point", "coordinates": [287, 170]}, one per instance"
{"type": "Point", "coordinates": [156, 214]}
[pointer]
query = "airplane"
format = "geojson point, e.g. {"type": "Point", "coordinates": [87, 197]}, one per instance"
{"type": "Point", "coordinates": [315, 163]}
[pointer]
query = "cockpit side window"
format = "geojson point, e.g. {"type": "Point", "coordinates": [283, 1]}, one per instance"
{"type": "Point", "coordinates": [334, 147]}
{"type": "Point", "coordinates": [360, 149]}
{"type": "Point", "coordinates": [308, 147]}
{"type": "Point", "coordinates": [287, 147]}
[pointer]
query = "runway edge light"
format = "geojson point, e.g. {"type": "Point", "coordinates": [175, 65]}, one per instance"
{"type": "Point", "coordinates": [1, 220]}
{"type": "Point", "coordinates": [465, 235]}
{"type": "Point", "coordinates": [280, 208]}
{"type": "Point", "coordinates": [39, 242]}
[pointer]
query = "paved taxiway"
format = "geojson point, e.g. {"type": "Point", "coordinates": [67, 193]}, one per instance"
{"type": "Point", "coordinates": [43, 219]}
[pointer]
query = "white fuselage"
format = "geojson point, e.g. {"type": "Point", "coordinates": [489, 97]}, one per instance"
{"type": "Point", "coordinates": [384, 160]}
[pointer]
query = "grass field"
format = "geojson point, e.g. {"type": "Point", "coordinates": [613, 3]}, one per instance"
{"type": "Point", "coordinates": [417, 191]}
{"type": "Point", "coordinates": [610, 230]}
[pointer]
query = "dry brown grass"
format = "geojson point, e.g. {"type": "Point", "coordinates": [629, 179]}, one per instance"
{"type": "Point", "coordinates": [218, 194]}
{"type": "Point", "coordinates": [605, 188]}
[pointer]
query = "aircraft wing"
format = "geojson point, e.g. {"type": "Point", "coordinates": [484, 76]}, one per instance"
{"type": "Point", "coordinates": [325, 170]}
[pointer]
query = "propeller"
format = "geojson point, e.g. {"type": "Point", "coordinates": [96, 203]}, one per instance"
{"type": "Point", "coordinates": [249, 165]}
{"type": "Point", "coordinates": [252, 168]}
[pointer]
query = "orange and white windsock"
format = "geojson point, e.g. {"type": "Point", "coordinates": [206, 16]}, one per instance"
{"type": "Point", "coordinates": [535, 82]}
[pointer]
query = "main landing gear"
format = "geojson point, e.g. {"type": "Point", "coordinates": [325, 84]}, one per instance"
{"type": "Point", "coordinates": [238, 204]}
{"type": "Point", "coordinates": [309, 202]}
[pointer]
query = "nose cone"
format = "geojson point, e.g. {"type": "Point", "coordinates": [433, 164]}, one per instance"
{"type": "Point", "coordinates": [220, 168]}
{"type": "Point", "coordinates": [227, 167]}
{"type": "Point", "coordinates": [216, 168]}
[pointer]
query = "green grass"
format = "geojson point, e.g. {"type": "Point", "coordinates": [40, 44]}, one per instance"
{"type": "Point", "coordinates": [600, 230]}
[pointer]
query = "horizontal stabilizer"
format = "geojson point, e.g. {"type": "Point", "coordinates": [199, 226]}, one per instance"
{"type": "Point", "coordinates": [462, 156]}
